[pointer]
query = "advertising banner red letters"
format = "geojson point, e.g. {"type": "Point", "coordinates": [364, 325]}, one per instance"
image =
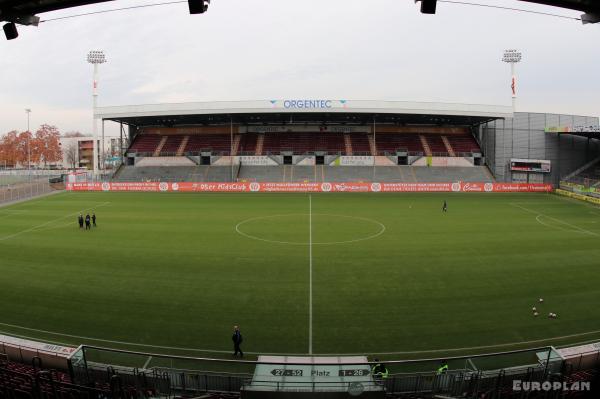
{"type": "Point", "coordinates": [325, 187]}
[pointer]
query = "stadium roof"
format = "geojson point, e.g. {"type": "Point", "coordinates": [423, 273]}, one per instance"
{"type": "Point", "coordinates": [22, 11]}
{"type": "Point", "coordinates": [301, 110]}
{"type": "Point", "coordinates": [592, 6]}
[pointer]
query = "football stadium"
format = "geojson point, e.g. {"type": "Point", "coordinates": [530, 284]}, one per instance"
{"type": "Point", "coordinates": [354, 248]}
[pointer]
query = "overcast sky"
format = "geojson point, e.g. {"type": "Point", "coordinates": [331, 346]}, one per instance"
{"type": "Point", "coordinates": [267, 49]}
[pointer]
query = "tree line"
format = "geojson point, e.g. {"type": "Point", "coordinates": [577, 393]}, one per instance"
{"type": "Point", "coordinates": [27, 148]}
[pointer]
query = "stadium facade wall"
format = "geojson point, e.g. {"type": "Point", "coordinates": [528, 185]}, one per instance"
{"type": "Point", "coordinates": [523, 137]}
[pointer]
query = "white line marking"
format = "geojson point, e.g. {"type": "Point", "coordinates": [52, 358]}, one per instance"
{"type": "Point", "coordinates": [537, 218]}
{"type": "Point", "coordinates": [60, 226]}
{"type": "Point", "coordinates": [581, 230]}
{"type": "Point", "coordinates": [50, 222]}
{"type": "Point", "coordinates": [10, 213]}
{"type": "Point", "coordinates": [380, 232]}
{"type": "Point", "coordinates": [310, 273]}
{"type": "Point", "coordinates": [576, 201]}
{"type": "Point", "coordinates": [469, 348]}
{"type": "Point", "coordinates": [110, 341]}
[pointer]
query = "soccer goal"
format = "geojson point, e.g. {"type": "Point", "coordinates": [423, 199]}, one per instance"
{"type": "Point", "coordinates": [79, 177]}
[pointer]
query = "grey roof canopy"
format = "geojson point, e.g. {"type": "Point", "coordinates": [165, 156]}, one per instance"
{"type": "Point", "coordinates": [296, 111]}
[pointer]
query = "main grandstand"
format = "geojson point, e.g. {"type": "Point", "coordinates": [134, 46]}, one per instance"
{"type": "Point", "coordinates": [344, 141]}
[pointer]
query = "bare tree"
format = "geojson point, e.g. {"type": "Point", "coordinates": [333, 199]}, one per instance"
{"type": "Point", "coordinates": [72, 155]}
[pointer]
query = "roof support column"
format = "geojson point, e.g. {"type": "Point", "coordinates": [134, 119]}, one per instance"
{"type": "Point", "coordinates": [375, 144]}
{"type": "Point", "coordinates": [231, 145]}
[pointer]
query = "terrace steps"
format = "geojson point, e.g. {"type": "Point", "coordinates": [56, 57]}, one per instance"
{"type": "Point", "coordinates": [372, 145]}
{"type": "Point", "coordinates": [236, 144]}
{"type": "Point", "coordinates": [425, 145]}
{"type": "Point", "coordinates": [348, 144]}
{"type": "Point", "coordinates": [160, 146]}
{"type": "Point", "coordinates": [260, 141]}
{"type": "Point", "coordinates": [488, 174]}
{"type": "Point", "coordinates": [448, 146]}
{"type": "Point", "coordinates": [182, 146]}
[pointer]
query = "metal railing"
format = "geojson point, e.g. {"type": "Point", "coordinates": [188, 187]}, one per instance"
{"type": "Point", "coordinates": [408, 153]}
{"type": "Point", "coordinates": [18, 191]}
{"type": "Point", "coordinates": [583, 188]}
{"type": "Point", "coordinates": [466, 376]}
{"type": "Point", "coordinates": [585, 182]}
{"type": "Point", "coordinates": [196, 375]}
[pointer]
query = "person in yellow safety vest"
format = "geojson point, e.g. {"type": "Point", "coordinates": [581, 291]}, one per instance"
{"type": "Point", "coordinates": [443, 369]}
{"type": "Point", "coordinates": [379, 370]}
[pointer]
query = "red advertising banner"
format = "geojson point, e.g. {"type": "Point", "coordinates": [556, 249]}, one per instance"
{"type": "Point", "coordinates": [314, 187]}
{"type": "Point", "coordinates": [415, 187]}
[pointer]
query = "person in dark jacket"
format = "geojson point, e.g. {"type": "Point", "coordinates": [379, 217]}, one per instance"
{"type": "Point", "coordinates": [80, 220]}
{"type": "Point", "coordinates": [94, 219]}
{"type": "Point", "coordinates": [237, 341]}
{"type": "Point", "coordinates": [87, 222]}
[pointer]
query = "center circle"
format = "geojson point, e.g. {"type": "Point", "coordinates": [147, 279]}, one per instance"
{"type": "Point", "coordinates": [306, 229]}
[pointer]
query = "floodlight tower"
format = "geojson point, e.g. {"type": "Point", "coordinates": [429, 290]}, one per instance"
{"type": "Point", "coordinates": [512, 57]}
{"type": "Point", "coordinates": [95, 57]}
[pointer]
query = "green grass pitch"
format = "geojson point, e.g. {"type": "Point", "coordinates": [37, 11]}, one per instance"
{"type": "Point", "coordinates": [390, 273]}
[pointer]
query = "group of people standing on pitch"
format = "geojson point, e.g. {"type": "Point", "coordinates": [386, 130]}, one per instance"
{"type": "Point", "coordinates": [89, 221]}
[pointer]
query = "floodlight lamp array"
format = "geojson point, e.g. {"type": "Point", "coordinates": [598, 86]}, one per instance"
{"type": "Point", "coordinates": [96, 57]}
{"type": "Point", "coordinates": [512, 56]}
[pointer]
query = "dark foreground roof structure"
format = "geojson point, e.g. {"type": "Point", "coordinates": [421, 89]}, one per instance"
{"type": "Point", "coordinates": [25, 12]}
{"type": "Point", "coordinates": [22, 11]}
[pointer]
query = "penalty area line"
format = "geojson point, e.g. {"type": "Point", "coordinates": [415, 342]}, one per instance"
{"type": "Point", "coordinates": [538, 214]}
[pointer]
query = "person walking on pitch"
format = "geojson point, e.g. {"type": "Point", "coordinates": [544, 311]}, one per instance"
{"type": "Point", "coordinates": [87, 222]}
{"type": "Point", "coordinates": [80, 220]}
{"type": "Point", "coordinates": [445, 207]}
{"type": "Point", "coordinates": [94, 219]}
{"type": "Point", "coordinates": [237, 341]}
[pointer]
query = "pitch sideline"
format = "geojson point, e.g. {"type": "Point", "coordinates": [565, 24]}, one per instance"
{"type": "Point", "coordinates": [504, 345]}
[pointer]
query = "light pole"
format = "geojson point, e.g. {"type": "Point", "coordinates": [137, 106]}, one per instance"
{"type": "Point", "coordinates": [512, 57]}
{"type": "Point", "coordinates": [95, 57]}
{"type": "Point", "coordinates": [28, 112]}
